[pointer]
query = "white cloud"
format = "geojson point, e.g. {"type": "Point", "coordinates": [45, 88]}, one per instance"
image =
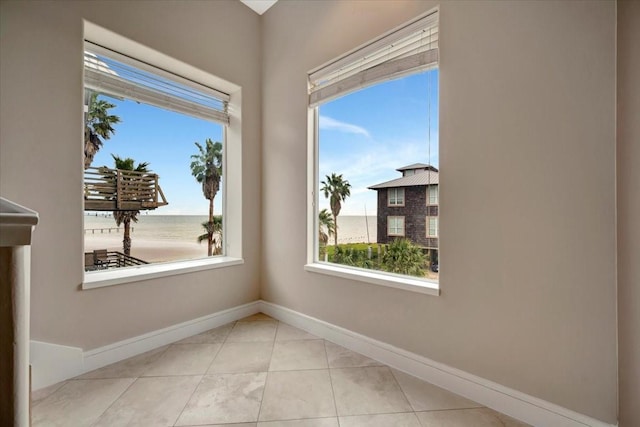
{"type": "Point", "coordinates": [372, 166]}
{"type": "Point", "coordinates": [327, 123]}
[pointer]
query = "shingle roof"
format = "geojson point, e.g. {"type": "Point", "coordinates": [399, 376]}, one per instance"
{"type": "Point", "coordinates": [420, 178]}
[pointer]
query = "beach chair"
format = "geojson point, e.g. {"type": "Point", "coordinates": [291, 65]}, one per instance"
{"type": "Point", "coordinates": [88, 261]}
{"type": "Point", "coordinates": [100, 258]}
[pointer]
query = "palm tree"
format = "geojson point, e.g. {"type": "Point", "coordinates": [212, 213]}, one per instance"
{"type": "Point", "coordinates": [206, 167]}
{"type": "Point", "coordinates": [98, 126]}
{"type": "Point", "coordinates": [336, 189]}
{"type": "Point", "coordinates": [326, 227]}
{"type": "Point", "coordinates": [211, 229]}
{"type": "Point", "coordinates": [125, 217]}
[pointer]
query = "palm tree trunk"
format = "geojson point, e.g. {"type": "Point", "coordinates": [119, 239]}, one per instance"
{"type": "Point", "coordinates": [89, 149]}
{"type": "Point", "coordinates": [210, 237]}
{"type": "Point", "coordinates": [126, 241]}
{"type": "Point", "coordinates": [335, 233]}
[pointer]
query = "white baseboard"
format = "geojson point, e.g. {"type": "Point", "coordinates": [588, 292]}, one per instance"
{"type": "Point", "coordinates": [103, 356]}
{"type": "Point", "coordinates": [521, 406]}
{"type": "Point", "coordinates": [52, 363]}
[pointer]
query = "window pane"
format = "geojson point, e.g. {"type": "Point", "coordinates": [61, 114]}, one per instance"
{"type": "Point", "coordinates": [368, 140]}
{"type": "Point", "coordinates": [433, 195]}
{"type": "Point", "coordinates": [432, 226]}
{"type": "Point", "coordinates": [151, 194]}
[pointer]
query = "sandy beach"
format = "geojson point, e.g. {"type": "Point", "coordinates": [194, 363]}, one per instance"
{"type": "Point", "coordinates": [161, 238]}
{"type": "Point", "coordinates": [150, 250]}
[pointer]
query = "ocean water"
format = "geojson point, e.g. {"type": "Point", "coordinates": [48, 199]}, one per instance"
{"type": "Point", "coordinates": [351, 229]}
{"type": "Point", "coordinates": [154, 227]}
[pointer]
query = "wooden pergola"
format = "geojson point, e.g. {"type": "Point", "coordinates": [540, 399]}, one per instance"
{"type": "Point", "coordinates": [108, 189]}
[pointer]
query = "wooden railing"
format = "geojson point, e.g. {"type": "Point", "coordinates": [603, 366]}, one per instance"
{"type": "Point", "coordinates": [108, 189]}
{"type": "Point", "coordinates": [103, 229]}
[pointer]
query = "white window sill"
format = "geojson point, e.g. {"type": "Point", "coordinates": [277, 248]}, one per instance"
{"type": "Point", "coordinates": [422, 286]}
{"type": "Point", "coordinates": [118, 276]}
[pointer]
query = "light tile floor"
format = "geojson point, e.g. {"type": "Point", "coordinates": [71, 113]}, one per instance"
{"type": "Point", "coordinates": [256, 372]}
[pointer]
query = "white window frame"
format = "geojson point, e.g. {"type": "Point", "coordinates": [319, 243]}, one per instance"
{"type": "Point", "coordinates": [395, 218]}
{"type": "Point", "coordinates": [437, 193]}
{"type": "Point", "coordinates": [232, 160]}
{"type": "Point", "coordinates": [396, 191]}
{"type": "Point", "coordinates": [314, 265]}
{"type": "Point", "coordinates": [434, 218]}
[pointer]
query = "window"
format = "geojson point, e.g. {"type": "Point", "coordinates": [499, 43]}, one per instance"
{"type": "Point", "coordinates": [396, 197]}
{"type": "Point", "coordinates": [373, 137]}
{"type": "Point", "coordinates": [395, 226]}
{"type": "Point", "coordinates": [432, 195]}
{"type": "Point", "coordinates": [156, 178]}
{"type": "Point", "coordinates": [432, 226]}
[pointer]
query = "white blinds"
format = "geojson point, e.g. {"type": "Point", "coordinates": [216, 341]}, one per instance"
{"type": "Point", "coordinates": [406, 50]}
{"type": "Point", "coordinates": [113, 74]}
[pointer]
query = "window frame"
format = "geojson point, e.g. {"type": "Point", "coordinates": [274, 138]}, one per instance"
{"type": "Point", "coordinates": [314, 264]}
{"type": "Point", "coordinates": [396, 218]}
{"type": "Point", "coordinates": [429, 187]}
{"type": "Point", "coordinates": [232, 168]}
{"type": "Point", "coordinates": [428, 227]}
{"type": "Point", "coordinates": [396, 190]}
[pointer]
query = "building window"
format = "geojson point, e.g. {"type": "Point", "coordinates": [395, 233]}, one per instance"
{"type": "Point", "coordinates": [395, 225]}
{"type": "Point", "coordinates": [156, 155]}
{"type": "Point", "coordinates": [395, 197]}
{"type": "Point", "coordinates": [432, 197]}
{"type": "Point", "coordinates": [432, 226]}
{"type": "Point", "coordinates": [356, 143]}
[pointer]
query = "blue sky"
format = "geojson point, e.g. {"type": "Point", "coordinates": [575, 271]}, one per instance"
{"type": "Point", "coordinates": [365, 136]}
{"type": "Point", "coordinates": [166, 140]}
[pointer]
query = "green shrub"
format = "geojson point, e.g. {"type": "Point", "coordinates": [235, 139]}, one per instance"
{"type": "Point", "coordinates": [403, 257]}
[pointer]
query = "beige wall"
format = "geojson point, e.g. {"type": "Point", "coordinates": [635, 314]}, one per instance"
{"type": "Point", "coordinates": [528, 167]}
{"type": "Point", "coordinates": [628, 158]}
{"type": "Point", "coordinates": [527, 138]}
{"type": "Point", "coordinates": [40, 157]}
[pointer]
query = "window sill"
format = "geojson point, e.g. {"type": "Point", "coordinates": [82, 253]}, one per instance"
{"type": "Point", "coordinates": [99, 279]}
{"type": "Point", "coordinates": [421, 286]}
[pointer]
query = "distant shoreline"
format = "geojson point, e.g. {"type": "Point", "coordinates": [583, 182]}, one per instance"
{"type": "Point", "coordinates": [186, 228]}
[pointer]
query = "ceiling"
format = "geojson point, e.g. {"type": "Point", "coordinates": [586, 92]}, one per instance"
{"type": "Point", "coordinates": [259, 6]}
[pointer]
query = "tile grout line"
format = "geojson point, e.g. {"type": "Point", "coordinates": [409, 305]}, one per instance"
{"type": "Point", "coordinates": [114, 400]}
{"type": "Point", "coordinates": [202, 379]}
{"type": "Point", "coordinates": [273, 346]}
{"type": "Point", "coordinates": [37, 402]}
{"type": "Point", "coordinates": [413, 409]}
{"type": "Point", "coordinates": [401, 389]}
{"type": "Point", "coordinates": [144, 371]}
{"type": "Point", "coordinates": [224, 341]}
{"type": "Point", "coordinates": [333, 393]}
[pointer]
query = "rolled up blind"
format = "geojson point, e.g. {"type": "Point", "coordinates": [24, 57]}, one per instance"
{"type": "Point", "coordinates": [117, 75]}
{"type": "Point", "coordinates": [411, 48]}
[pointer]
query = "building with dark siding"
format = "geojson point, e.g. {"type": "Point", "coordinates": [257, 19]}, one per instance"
{"type": "Point", "coordinates": [408, 207]}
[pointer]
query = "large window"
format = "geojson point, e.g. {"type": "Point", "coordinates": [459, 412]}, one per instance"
{"type": "Point", "coordinates": [156, 166]}
{"type": "Point", "coordinates": [374, 152]}
{"type": "Point", "coordinates": [432, 226]}
{"type": "Point", "coordinates": [396, 197]}
{"type": "Point", "coordinates": [432, 194]}
{"type": "Point", "coordinates": [395, 226]}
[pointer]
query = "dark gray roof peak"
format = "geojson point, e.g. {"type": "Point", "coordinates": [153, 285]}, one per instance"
{"type": "Point", "coordinates": [418, 166]}
{"type": "Point", "coordinates": [421, 178]}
